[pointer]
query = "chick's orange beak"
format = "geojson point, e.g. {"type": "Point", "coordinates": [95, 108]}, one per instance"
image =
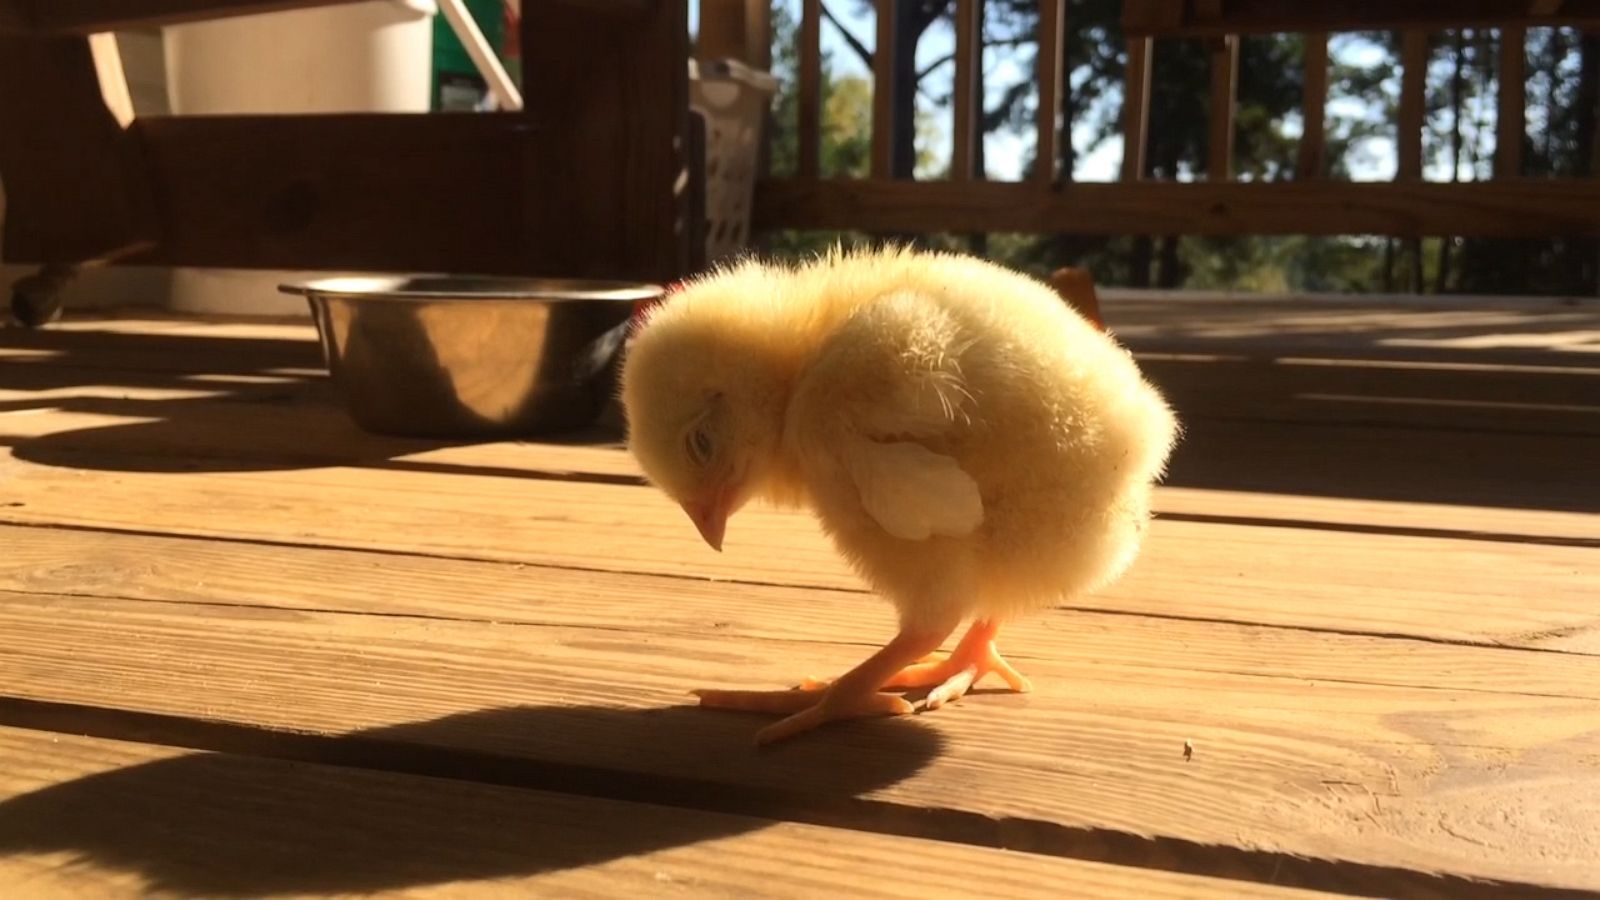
{"type": "Point", "coordinates": [710, 515]}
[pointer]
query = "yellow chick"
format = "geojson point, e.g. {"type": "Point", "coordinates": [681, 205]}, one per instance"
{"type": "Point", "coordinates": [973, 446]}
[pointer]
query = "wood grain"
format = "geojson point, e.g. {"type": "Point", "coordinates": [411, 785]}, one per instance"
{"type": "Point", "coordinates": [1310, 465]}
{"type": "Point", "coordinates": [1476, 209]}
{"type": "Point", "coordinates": [499, 501]}
{"type": "Point", "coordinates": [231, 824]}
{"type": "Point", "coordinates": [1207, 583]}
{"type": "Point", "coordinates": [1306, 746]}
{"type": "Point", "coordinates": [1375, 703]}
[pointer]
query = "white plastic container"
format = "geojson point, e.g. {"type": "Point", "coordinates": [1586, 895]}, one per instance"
{"type": "Point", "coordinates": [734, 99]}
{"type": "Point", "coordinates": [361, 57]}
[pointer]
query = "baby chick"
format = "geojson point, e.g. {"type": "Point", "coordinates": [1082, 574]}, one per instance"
{"type": "Point", "coordinates": [973, 446]}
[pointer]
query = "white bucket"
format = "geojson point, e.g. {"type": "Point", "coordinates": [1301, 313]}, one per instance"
{"type": "Point", "coordinates": [362, 57]}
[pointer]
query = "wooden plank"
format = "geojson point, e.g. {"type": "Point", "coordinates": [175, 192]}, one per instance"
{"type": "Point", "coordinates": [232, 824]}
{"type": "Point", "coordinates": [968, 90]}
{"type": "Point", "coordinates": [1135, 108]}
{"type": "Point", "coordinates": [1167, 18]}
{"type": "Point", "coordinates": [810, 97]}
{"type": "Point", "coordinates": [518, 514]}
{"type": "Point", "coordinates": [360, 191]}
{"type": "Point", "coordinates": [1052, 21]}
{"type": "Point", "coordinates": [76, 187]}
{"type": "Point", "coordinates": [1208, 567]}
{"type": "Point", "coordinates": [1319, 760]}
{"type": "Point", "coordinates": [1312, 163]}
{"type": "Point", "coordinates": [1524, 487]}
{"type": "Point", "coordinates": [883, 88]}
{"type": "Point", "coordinates": [1477, 209]}
{"type": "Point", "coordinates": [1510, 124]}
{"type": "Point", "coordinates": [602, 195]}
{"type": "Point", "coordinates": [90, 401]}
{"type": "Point", "coordinates": [86, 17]}
{"type": "Point", "coordinates": [1413, 83]}
{"type": "Point", "coordinates": [1224, 97]}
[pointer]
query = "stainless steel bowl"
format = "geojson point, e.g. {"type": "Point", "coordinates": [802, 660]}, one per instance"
{"type": "Point", "coordinates": [445, 357]}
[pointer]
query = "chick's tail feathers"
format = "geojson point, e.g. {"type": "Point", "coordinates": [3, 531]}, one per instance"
{"type": "Point", "coordinates": [1076, 287]}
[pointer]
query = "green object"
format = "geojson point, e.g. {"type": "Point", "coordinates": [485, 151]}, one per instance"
{"type": "Point", "coordinates": [457, 86]}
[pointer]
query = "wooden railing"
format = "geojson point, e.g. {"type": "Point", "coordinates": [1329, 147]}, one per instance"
{"type": "Point", "coordinates": [588, 180]}
{"type": "Point", "coordinates": [1507, 206]}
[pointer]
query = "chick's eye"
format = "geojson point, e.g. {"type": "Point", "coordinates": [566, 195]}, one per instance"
{"type": "Point", "coordinates": [699, 447]}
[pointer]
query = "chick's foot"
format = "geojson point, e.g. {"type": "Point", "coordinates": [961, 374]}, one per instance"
{"type": "Point", "coordinates": [855, 695]}
{"type": "Point", "coordinates": [806, 709]}
{"type": "Point", "coordinates": [952, 675]}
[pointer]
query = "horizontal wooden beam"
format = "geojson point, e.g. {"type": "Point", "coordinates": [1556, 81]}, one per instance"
{"type": "Point", "coordinates": [1477, 209]}
{"type": "Point", "coordinates": [90, 16]}
{"type": "Point", "coordinates": [1172, 18]}
{"type": "Point", "coordinates": [408, 192]}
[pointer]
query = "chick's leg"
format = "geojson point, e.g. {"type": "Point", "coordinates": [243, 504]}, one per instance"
{"type": "Point", "coordinates": [853, 695]}
{"type": "Point", "coordinates": [950, 677]}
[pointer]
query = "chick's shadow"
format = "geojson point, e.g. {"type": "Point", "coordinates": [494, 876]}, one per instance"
{"type": "Point", "coordinates": [330, 814]}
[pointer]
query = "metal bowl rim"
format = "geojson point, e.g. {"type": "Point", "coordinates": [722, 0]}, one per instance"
{"type": "Point", "coordinates": [393, 288]}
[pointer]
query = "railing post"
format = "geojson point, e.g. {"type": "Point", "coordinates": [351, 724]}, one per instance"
{"type": "Point", "coordinates": [883, 92]}
{"type": "Point", "coordinates": [1511, 102]}
{"type": "Point", "coordinates": [810, 97]}
{"type": "Point", "coordinates": [1224, 90]}
{"type": "Point", "coordinates": [968, 90]}
{"type": "Point", "coordinates": [1314, 105]}
{"type": "Point", "coordinates": [1051, 20]}
{"type": "Point", "coordinates": [1135, 108]}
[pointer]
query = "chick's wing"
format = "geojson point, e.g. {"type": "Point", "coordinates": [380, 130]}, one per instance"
{"type": "Point", "coordinates": [881, 401]}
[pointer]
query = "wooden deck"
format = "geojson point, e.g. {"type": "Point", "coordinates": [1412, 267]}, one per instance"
{"type": "Point", "coordinates": [246, 649]}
